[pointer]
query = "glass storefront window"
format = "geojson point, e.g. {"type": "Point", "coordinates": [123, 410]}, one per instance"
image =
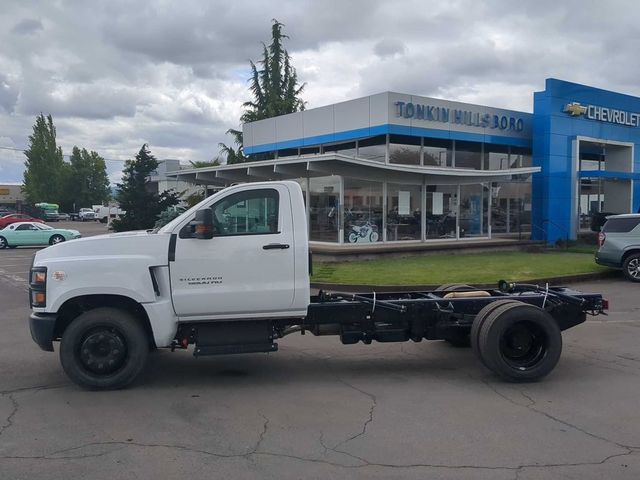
{"type": "Point", "coordinates": [441, 211]}
{"type": "Point", "coordinates": [309, 150]}
{"type": "Point", "coordinates": [497, 157]}
{"type": "Point", "coordinates": [473, 211]}
{"type": "Point", "coordinates": [362, 211]}
{"type": "Point", "coordinates": [403, 212]}
{"type": "Point", "coordinates": [324, 208]}
{"type": "Point", "coordinates": [374, 148]}
{"type": "Point", "coordinates": [437, 153]}
{"type": "Point", "coordinates": [468, 155]}
{"type": "Point", "coordinates": [511, 206]}
{"type": "Point", "coordinates": [520, 157]}
{"type": "Point", "coordinates": [348, 148]}
{"type": "Point", "coordinates": [404, 149]}
{"type": "Point", "coordinates": [288, 152]}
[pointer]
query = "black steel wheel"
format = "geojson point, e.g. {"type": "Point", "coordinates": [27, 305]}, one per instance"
{"type": "Point", "coordinates": [631, 267]}
{"type": "Point", "coordinates": [104, 349]}
{"type": "Point", "coordinates": [55, 239]}
{"type": "Point", "coordinates": [520, 342]}
{"type": "Point", "coordinates": [454, 287]}
{"type": "Point", "coordinates": [479, 320]}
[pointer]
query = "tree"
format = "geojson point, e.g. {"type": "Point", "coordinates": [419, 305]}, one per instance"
{"type": "Point", "coordinates": [86, 179]}
{"type": "Point", "coordinates": [142, 206]}
{"type": "Point", "coordinates": [274, 88]}
{"type": "Point", "coordinates": [45, 168]}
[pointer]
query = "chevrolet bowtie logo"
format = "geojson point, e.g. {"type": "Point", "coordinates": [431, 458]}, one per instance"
{"type": "Point", "coordinates": [574, 109]}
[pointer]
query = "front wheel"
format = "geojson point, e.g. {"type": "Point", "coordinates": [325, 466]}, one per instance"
{"type": "Point", "coordinates": [373, 237]}
{"type": "Point", "coordinates": [631, 267]}
{"type": "Point", "coordinates": [3, 243]}
{"type": "Point", "coordinates": [353, 238]}
{"type": "Point", "coordinates": [55, 239]}
{"type": "Point", "coordinates": [104, 349]}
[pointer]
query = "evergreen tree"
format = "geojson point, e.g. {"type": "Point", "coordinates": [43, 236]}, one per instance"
{"type": "Point", "coordinates": [274, 88]}
{"type": "Point", "coordinates": [45, 168]}
{"type": "Point", "coordinates": [86, 179]}
{"type": "Point", "coordinates": [142, 205]}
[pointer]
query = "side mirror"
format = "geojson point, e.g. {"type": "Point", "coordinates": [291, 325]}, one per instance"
{"type": "Point", "coordinates": [203, 224]}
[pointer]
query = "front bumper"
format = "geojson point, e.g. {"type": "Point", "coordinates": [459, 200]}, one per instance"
{"type": "Point", "coordinates": [42, 326]}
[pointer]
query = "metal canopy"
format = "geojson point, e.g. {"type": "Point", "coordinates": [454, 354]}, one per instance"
{"type": "Point", "coordinates": [337, 164]}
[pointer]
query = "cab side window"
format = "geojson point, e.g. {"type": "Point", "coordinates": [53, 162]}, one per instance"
{"type": "Point", "coordinates": [254, 212]}
{"type": "Point", "coordinates": [25, 227]}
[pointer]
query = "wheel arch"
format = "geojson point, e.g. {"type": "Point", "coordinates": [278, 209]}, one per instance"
{"type": "Point", "coordinates": [75, 306]}
{"type": "Point", "coordinates": [628, 253]}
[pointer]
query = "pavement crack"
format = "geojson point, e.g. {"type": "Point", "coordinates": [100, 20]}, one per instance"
{"type": "Point", "coordinates": [263, 433]}
{"type": "Point", "coordinates": [58, 455]}
{"type": "Point", "coordinates": [8, 423]}
{"type": "Point", "coordinates": [531, 406]}
{"type": "Point", "coordinates": [37, 388]}
{"type": "Point", "coordinates": [372, 407]}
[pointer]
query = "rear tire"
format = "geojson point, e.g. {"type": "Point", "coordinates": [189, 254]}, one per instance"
{"type": "Point", "coordinates": [55, 239]}
{"type": "Point", "coordinates": [104, 349]}
{"type": "Point", "coordinates": [477, 325]}
{"type": "Point", "coordinates": [520, 342]}
{"type": "Point", "coordinates": [631, 267]}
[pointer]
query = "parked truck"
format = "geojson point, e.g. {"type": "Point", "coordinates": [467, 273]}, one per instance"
{"type": "Point", "coordinates": [231, 275]}
{"type": "Point", "coordinates": [104, 213]}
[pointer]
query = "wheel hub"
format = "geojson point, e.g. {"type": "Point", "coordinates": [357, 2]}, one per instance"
{"type": "Point", "coordinates": [103, 351]}
{"type": "Point", "coordinates": [523, 345]}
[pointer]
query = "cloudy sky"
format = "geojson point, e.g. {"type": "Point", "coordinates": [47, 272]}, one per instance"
{"type": "Point", "coordinates": [117, 74]}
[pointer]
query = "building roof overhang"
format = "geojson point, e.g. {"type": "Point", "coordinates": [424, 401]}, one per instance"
{"type": "Point", "coordinates": [337, 164]}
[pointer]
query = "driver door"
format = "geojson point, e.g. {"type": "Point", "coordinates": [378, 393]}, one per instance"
{"type": "Point", "coordinates": [247, 268]}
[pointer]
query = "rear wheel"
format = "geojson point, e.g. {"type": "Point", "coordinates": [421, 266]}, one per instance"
{"type": "Point", "coordinates": [3, 243]}
{"type": "Point", "coordinates": [631, 267]}
{"type": "Point", "coordinates": [56, 239]}
{"type": "Point", "coordinates": [479, 320]}
{"type": "Point", "coordinates": [104, 349]}
{"type": "Point", "coordinates": [520, 342]}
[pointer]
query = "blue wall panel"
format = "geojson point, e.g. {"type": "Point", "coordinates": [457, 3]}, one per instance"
{"type": "Point", "coordinates": [554, 130]}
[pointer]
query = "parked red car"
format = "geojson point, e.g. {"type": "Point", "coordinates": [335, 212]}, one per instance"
{"type": "Point", "coordinates": [17, 217]}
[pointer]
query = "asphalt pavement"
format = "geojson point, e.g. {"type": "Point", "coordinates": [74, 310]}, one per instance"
{"type": "Point", "coordinates": [319, 409]}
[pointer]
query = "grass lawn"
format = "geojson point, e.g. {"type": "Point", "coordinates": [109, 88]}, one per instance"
{"type": "Point", "coordinates": [460, 268]}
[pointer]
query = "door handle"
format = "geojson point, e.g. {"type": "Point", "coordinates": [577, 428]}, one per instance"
{"type": "Point", "coordinates": [275, 246]}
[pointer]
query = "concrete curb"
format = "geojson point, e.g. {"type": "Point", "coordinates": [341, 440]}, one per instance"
{"type": "Point", "coordinates": [583, 277]}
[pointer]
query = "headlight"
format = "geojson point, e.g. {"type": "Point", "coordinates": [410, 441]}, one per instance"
{"type": "Point", "coordinates": [38, 287]}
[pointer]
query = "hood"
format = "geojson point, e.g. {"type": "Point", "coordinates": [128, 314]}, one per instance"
{"type": "Point", "coordinates": [152, 245]}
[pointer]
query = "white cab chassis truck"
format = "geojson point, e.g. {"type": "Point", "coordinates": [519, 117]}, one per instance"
{"type": "Point", "coordinates": [231, 275]}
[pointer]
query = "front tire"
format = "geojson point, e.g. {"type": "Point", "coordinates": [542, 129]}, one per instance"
{"type": "Point", "coordinates": [3, 243]}
{"type": "Point", "coordinates": [631, 267]}
{"type": "Point", "coordinates": [353, 238]}
{"type": "Point", "coordinates": [104, 349]}
{"type": "Point", "coordinates": [520, 342]}
{"type": "Point", "coordinates": [55, 239]}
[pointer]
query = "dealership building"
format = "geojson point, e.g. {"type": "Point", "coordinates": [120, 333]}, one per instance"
{"type": "Point", "coordinates": [394, 168]}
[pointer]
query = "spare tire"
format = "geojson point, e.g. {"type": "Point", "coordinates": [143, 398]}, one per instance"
{"type": "Point", "coordinates": [454, 287]}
